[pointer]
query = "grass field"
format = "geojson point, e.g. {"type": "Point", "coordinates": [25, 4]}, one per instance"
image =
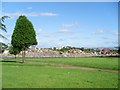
{"type": "Point", "coordinates": [43, 73]}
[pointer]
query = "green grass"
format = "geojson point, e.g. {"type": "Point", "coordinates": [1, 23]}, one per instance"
{"type": "Point", "coordinates": [16, 75]}
{"type": "Point", "coordinates": [95, 62]}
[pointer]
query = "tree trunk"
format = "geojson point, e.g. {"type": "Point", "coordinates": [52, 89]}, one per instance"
{"type": "Point", "coordinates": [23, 56]}
{"type": "Point", "coordinates": [15, 56]}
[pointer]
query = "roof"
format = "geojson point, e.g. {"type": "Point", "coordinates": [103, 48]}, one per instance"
{"type": "Point", "coordinates": [105, 50]}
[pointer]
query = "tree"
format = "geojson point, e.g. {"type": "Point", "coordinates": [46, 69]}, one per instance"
{"type": "Point", "coordinates": [2, 25]}
{"type": "Point", "coordinates": [24, 35]}
{"type": "Point", "coordinates": [14, 50]}
{"type": "Point", "coordinates": [119, 50]}
{"type": "Point", "coordinates": [82, 48]}
{"type": "Point", "coordinates": [3, 47]}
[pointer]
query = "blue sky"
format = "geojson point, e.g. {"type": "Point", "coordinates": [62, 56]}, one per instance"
{"type": "Point", "coordinates": [88, 24]}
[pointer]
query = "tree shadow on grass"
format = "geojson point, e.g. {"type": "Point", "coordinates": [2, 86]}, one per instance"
{"type": "Point", "coordinates": [7, 61]}
{"type": "Point", "coordinates": [17, 62]}
{"type": "Point", "coordinates": [107, 56]}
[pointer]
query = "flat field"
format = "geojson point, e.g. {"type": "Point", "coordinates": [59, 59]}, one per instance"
{"type": "Point", "coordinates": [87, 72]}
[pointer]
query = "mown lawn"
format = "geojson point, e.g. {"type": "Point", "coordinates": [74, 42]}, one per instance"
{"type": "Point", "coordinates": [17, 75]}
{"type": "Point", "coordinates": [95, 62]}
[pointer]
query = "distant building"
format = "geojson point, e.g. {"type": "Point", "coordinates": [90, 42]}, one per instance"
{"type": "Point", "coordinates": [105, 51]}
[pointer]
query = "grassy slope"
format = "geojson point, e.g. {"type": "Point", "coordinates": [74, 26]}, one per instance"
{"type": "Point", "coordinates": [37, 76]}
{"type": "Point", "coordinates": [16, 75]}
{"type": "Point", "coordinates": [105, 63]}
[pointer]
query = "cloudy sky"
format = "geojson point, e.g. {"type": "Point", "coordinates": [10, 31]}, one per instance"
{"type": "Point", "coordinates": [93, 24]}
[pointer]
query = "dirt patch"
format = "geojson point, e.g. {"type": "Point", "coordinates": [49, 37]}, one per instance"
{"type": "Point", "coordinates": [87, 68]}
{"type": "Point", "coordinates": [73, 67]}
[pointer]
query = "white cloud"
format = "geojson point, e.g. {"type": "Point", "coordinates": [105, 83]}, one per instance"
{"type": "Point", "coordinates": [38, 34]}
{"type": "Point", "coordinates": [98, 32]}
{"type": "Point", "coordinates": [116, 32]}
{"type": "Point", "coordinates": [115, 40]}
{"type": "Point", "coordinates": [48, 14]}
{"type": "Point", "coordinates": [71, 25]}
{"type": "Point", "coordinates": [38, 31]}
{"type": "Point", "coordinates": [32, 14]}
{"type": "Point", "coordinates": [61, 39]}
{"type": "Point", "coordinates": [29, 8]}
{"type": "Point", "coordinates": [65, 31]}
{"type": "Point", "coordinates": [112, 41]}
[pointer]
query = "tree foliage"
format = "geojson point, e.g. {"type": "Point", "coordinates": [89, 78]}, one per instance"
{"type": "Point", "coordinates": [24, 34]}
{"type": "Point", "coordinates": [14, 50]}
{"type": "Point", "coordinates": [119, 50]}
{"type": "Point", "coordinates": [3, 47]}
{"type": "Point", "coordinates": [2, 25]}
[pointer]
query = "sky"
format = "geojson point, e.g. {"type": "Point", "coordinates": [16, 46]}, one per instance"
{"type": "Point", "coordinates": [78, 24]}
{"type": "Point", "coordinates": [60, 0]}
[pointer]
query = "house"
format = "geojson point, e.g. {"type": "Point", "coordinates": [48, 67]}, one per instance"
{"type": "Point", "coordinates": [105, 51]}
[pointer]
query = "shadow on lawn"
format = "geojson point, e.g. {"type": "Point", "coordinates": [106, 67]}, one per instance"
{"type": "Point", "coordinates": [10, 60]}
{"type": "Point", "coordinates": [7, 61]}
{"type": "Point", "coordinates": [107, 56]}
